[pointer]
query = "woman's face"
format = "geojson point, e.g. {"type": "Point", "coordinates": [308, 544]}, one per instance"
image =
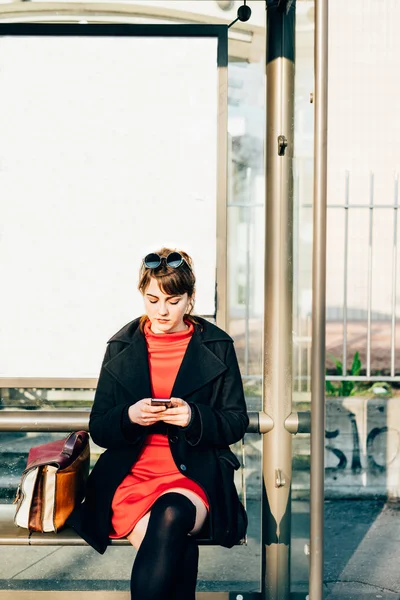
{"type": "Point", "coordinates": [164, 311]}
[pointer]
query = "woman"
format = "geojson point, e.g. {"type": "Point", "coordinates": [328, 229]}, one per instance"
{"type": "Point", "coordinates": [165, 480]}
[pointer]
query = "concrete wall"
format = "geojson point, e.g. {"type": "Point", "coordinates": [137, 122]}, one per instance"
{"type": "Point", "coordinates": [362, 447]}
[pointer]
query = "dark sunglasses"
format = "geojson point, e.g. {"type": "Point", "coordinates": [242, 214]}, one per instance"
{"type": "Point", "coordinates": [173, 260]}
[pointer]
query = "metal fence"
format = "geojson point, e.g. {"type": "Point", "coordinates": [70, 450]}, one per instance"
{"type": "Point", "coordinates": [302, 339]}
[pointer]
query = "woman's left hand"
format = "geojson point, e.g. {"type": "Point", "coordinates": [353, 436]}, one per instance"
{"type": "Point", "coordinates": [179, 414]}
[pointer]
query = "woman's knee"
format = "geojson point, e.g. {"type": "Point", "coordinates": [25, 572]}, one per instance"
{"type": "Point", "coordinates": [174, 510]}
{"type": "Point", "coordinates": [201, 510]}
{"type": "Point", "coordinates": [171, 511]}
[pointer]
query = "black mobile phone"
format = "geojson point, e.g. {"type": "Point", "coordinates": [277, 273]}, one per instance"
{"type": "Point", "coordinates": [161, 402]}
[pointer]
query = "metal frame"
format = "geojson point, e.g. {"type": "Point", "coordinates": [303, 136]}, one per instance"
{"type": "Point", "coordinates": [277, 384]}
{"type": "Point", "coordinates": [277, 422]}
{"type": "Point", "coordinates": [278, 301]}
{"type": "Point", "coordinates": [103, 595]}
{"type": "Point", "coordinates": [245, 40]}
{"type": "Point", "coordinates": [127, 30]}
{"type": "Point", "coordinates": [318, 303]}
{"type": "Point", "coordinates": [221, 278]}
{"type": "Point", "coordinates": [115, 595]}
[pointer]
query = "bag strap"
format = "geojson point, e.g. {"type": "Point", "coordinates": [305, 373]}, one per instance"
{"type": "Point", "coordinates": [70, 442]}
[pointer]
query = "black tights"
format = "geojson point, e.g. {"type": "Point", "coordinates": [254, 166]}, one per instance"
{"type": "Point", "coordinates": [165, 567]}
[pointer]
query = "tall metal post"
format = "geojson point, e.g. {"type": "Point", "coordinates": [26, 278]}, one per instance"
{"type": "Point", "coordinates": [277, 443]}
{"type": "Point", "coordinates": [318, 303]}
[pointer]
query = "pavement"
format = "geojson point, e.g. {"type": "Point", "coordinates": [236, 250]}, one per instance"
{"type": "Point", "coordinates": [362, 550]}
{"type": "Point", "coordinates": [362, 558]}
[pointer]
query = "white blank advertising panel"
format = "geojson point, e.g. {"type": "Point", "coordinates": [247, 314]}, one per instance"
{"type": "Point", "coordinates": [107, 152]}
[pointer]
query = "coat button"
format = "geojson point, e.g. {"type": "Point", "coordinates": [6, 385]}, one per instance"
{"type": "Point", "coordinates": [173, 439]}
{"type": "Point", "coordinates": [183, 467]}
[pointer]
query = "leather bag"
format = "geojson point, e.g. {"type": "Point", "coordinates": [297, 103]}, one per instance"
{"type": "Point", "coordinates": [53, 483]}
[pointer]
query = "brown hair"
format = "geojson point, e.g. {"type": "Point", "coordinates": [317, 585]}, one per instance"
{"type": "Point", "coordinates": [170, 281]}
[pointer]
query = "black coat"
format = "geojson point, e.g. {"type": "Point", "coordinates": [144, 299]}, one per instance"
{"type": "Point", "coordinates": [209, 380]}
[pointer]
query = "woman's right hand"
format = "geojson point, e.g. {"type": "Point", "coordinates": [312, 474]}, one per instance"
{"type": "Point", "coordinates": [143, 413]}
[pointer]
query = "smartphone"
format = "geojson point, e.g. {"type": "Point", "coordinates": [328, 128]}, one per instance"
{"type": "Point", "coordinates": [161, 402]}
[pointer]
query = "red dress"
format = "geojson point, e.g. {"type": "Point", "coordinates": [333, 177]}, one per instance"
{"type": "Point", "coordinates": [155, 470]}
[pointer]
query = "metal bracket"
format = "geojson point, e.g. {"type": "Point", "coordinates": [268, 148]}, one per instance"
{"type": "Point", "coordinates": [279, 478]}
{"type": "Point", "coordinates": [298, 422]}
{"type": "Point", "coordinates": [243, 14]}
{"type": "Point", "coordinates": [265, 422]}
{"type": "Point", "coordinates": [282, 145]}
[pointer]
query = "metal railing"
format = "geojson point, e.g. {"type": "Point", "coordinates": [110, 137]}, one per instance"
{"type": "Point", "coordinates": [72, 420]}
{"type": "Point", "coordinates": [302, 342]}
{"type": "Point", "coordinates": [302, 337]}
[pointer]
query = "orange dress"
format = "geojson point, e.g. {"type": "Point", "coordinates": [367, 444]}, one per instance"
{"type": "Point", "coordinates": [155, 470]}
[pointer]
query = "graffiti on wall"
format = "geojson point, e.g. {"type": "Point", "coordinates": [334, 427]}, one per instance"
{"type": "Point", "coordinates": [375, 441]}
{"type": "Point", "coordinates": [362, 446]}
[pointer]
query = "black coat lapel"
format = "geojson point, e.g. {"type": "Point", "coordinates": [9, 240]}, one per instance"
{"type": "Point", "coordinates": [199, 366]}
{"type": "Point", "coordinates": [131, 367]}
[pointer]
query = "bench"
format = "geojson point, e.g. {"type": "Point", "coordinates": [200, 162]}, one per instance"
{"type": "Point", "coordinates": [61, 421]}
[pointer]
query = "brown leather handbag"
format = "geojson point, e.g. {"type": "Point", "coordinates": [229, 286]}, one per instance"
{"type": "Point", "coordinates": [53, 483]}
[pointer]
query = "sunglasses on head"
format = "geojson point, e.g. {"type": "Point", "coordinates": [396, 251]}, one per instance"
{"type": "Point", "coordinates": [173, 260]}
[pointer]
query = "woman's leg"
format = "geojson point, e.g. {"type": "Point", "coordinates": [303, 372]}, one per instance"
{"type": "Point", "coordinates": [137, 534]}
{"type": "Point", "coordinates": [159, 558]}
{"type": "Point", "coordinates": [185, 583]}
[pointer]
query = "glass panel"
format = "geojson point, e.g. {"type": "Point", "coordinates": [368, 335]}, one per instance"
{"type": "Point", "coordinates": [362, 299]}
{"type": "Point", "coordinates": [362, 436]}
{"type": "Point", "coordinates": [246, 205]}
{"type": "Point", "coordinates": [302, 285]}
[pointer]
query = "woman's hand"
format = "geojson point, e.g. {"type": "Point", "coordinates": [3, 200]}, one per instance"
{"type": "Point", "coordinates": [179, 414]}
{"type": "Point", "coordinates": [143, 413]}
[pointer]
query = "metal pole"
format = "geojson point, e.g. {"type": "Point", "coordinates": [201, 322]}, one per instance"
{"type": "Point", "coordinates": [394, 276]}
{"type": "Point", "coordinates": [277, 444]}
{"type": "Point", "coordinates": [370, 251]}
{"type": "Point", "coordinates": [345, 271]}
{"type": "Point", "coordinates": [222, 187]}
{"type": "Point", "coordinates": [318, 304]}
{"type": "Point", "coordinates": [248, 261]}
